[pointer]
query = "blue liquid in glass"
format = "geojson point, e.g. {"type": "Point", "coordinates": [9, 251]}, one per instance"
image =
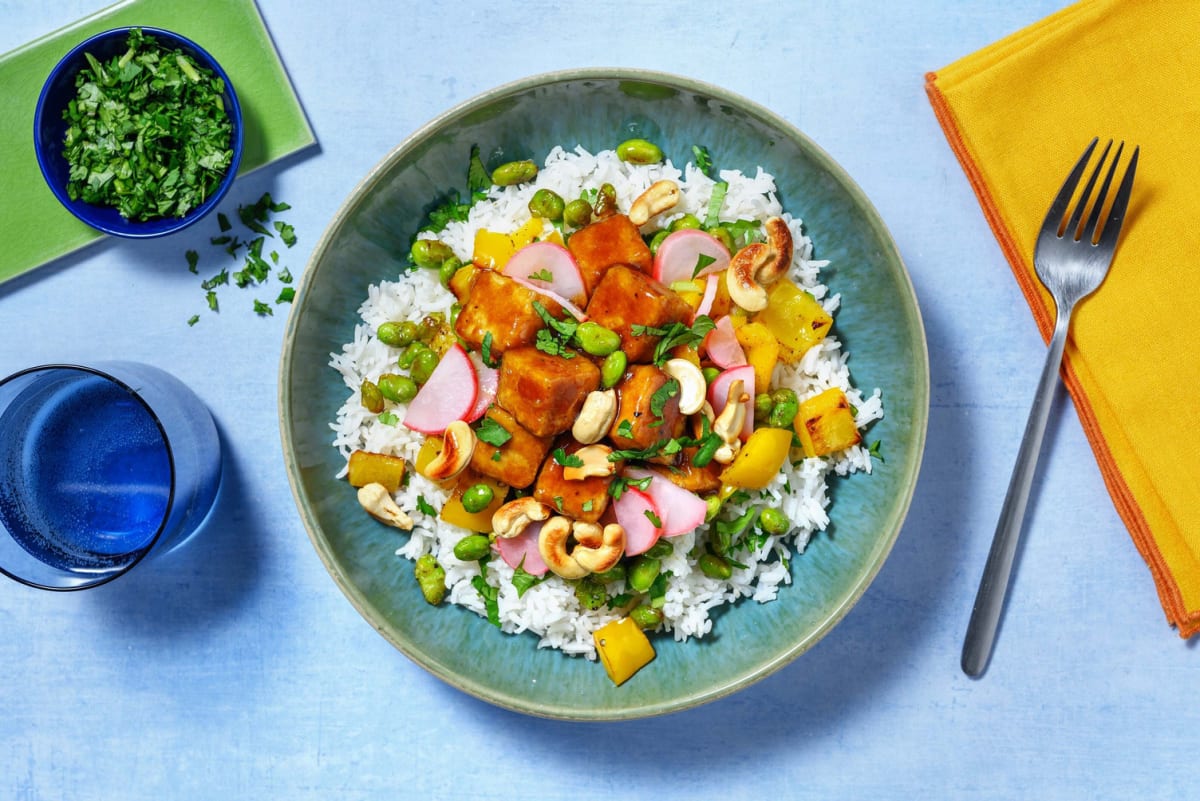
{"type": "Point", "coordinates": [85, 475]}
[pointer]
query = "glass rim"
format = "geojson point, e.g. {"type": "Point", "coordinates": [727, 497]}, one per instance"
{"type": "Point", "coordinates": [146, 549]}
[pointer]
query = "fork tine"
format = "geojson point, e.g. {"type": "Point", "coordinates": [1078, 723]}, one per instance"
{"type": "Point", "coordinates": [1058, 208]}
{"type": "Point", "coordinates": [1073, 226]}
{"type": "Point", "coordinates": [1092, 227]}
{"type": "Point", "coordinates": [1112, 226]}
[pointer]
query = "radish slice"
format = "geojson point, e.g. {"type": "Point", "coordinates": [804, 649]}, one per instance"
{"type": "Point", "coordinates": [488, 379]}
{"type": "Point", "coordinates": [448, 395]}
{"type": "Point", "coordinates": [718, 393]}
{"type": "Point", "coordinates": [683, 511]}
{"type": "Point", "coordinates": [680, 252]}
{"type": "Point", "coordinates": [575, 311]}
{"type": "Point", "coordinates": [722, 346]}
{"type": "Point", "coordinates": [640, 531]}
{"type": "Point", "coordinates": [547, 258]}
{"type": "Point", "coordinates": [710, 294]}
{"type": "Point", "coordinates": [524, 547]}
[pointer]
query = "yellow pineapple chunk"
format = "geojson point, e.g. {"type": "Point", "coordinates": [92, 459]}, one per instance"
{"type": "Point", "coordinates": [375, 468]}
{"type": "Point", "coordinates": [762, 352]}
{"type": "Point", "coordinates": [796, 319]}
{"type": "Point", "coordinates": [825, 423]}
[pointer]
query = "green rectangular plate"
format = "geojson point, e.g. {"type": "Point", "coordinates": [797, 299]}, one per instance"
{"type": "Point", "coordinates": [38, 229]}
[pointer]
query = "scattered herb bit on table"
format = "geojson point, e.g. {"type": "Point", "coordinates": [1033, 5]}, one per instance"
{"type": "Point", "coordinates": [147, 132]}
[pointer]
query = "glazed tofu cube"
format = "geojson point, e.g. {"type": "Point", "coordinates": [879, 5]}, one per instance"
{"type": "Point", "coordinates": [516, 461]}
{"type": "Point", "coordinates": [544, 392]}
{"type": "Point", "coordinates": [613, 240]}
{"type": "Point", "coordinates": [825, 423]}
{"type": "Point", "coordinates": [626, 297]}
{"type": "Point", "coordinates": [583, 499]}
{"type": "Point", "coordinates": [498, 305]}
{"type": "Point", "coordinates": [640, 422]}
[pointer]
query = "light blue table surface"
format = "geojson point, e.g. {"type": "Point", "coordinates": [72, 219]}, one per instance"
{"type": "Point", "coordinates": [236, 669]}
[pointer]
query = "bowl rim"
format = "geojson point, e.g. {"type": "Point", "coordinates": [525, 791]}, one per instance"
{"type": "Point", "coordinates": [883, 544]}
{"type": "Point", "coordinates": [157, 227]}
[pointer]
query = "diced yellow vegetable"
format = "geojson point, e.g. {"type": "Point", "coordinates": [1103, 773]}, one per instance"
{"type": "Point", "coordinates": [762, 352]}
{"type": "Point", "coordinates": [493, 249]}
{"type": "Point", "coordinates": [454, 513]}
{"type": "Point", "coordinates": [375, 468]}
{"type": "Point", "coordinates": [795, 318]}
{"type": "Point", "coordinates": [430, 448]}
{"type": "Point", "coordinates": [825, 423]}
{"type": "Point", "coordinates": [759, 459]}
{"type": "Point", "coordinates": [624, 649]}
{"type": "Point", "coordinates": [460, 282]}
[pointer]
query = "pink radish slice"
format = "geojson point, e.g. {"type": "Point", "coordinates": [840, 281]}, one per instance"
{"type": "Point", "coordinates": [722, 346]}
{"type": "Point", "coordinates": [710, 294]}
{"type": "Point", "coordinates": [640, 531]}
{"type": "Point", "coordinates": [574, 310]}
{"type": "Point", "coordinates": [718, 393]}
{"type": "Point", "coordinates": [448, 395]}
{"type": "Point", "coordinates": [682, 510]}
{"type": "Point", "coordinates": [522, 551]}
{"type": "Point", "coordinates": [679, 254]}
{"type": "Point", "coordinates": [547, 257]}
{"type": "Point", "coordinates": [488, 379]}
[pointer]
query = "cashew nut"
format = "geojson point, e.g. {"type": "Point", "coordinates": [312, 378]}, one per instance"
{"type": "Point", "coordinates": [379, 504]}
{"type": "Point", "coordinates": [596, 416]}
{"type": "Point", "coordinates": [552, 545]}
{"type": "Point", "coordinates": [759, 265]}
{"type": "Point", "coordinates": [512, 518]}
{"type": "Point", "coordinates": [692, 386]}
{"type": "Point", "coordinates": [661, 196]}
{"type": "Point", "coordinates": [598, 549]}
{"type": "Point", "coordinates": [595, 463]}
{"type": "Point", "coordinates": [458, 443]}
{"type": "Point", "coordinates": [729, 423]}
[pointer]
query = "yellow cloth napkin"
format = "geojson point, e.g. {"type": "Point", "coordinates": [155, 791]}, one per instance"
{"type": "Point", "coordinates": [1018, 114]}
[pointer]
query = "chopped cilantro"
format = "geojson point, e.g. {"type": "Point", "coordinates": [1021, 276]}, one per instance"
{"type": "Point", "coordinates": [210, 297]}
{"type": "Point", "coordinates": [388, 419]}
{"type": "Point", "coordinates": [653, 518]}
{"type": "Point", "coordinates": [286, 295]}
{"type": "Point", "coordinates": [702, 261]}
{"type": "Point", "coordinates": [523, 580]}
{"type": "Point", "coordinates": [492, 433]}
{"type": "Point", "coordinates": [567, 459]}
{"type": "Point", "coordinates": [216, 281]}
{"type": "Point", "coordinates": [195, 318]}
{"type": "Point", "coordinates": [703, 159]}
{"type": "Point", "coordinates": [284, 276]}
{"type": "Point", "coordinates": [286, 233]}
{"type": "Point", "coordinates": [261, 308]}
{"type": "Point", "coordinates": [223, 221]}
{"type": "Point", "coordinates": [625, 429]}
{"type": "Point", "coordinates": [873, 449]}
{"type": "Point", "coordinates": [542, 275]}
{"type": "Point", "coordinates": [193, 258]}
{"type": "Point", "coordinates": [478, 179]}
{"type": "Point", "coordinates": [713, 216]}
{"type": "Point", "coordinates": [658, 401]}
{"type": "Point", "coordinates": [425, 507]}
{"type": "Point", "coordinates": [485, 350]}
{"type": "Point", "coordinates": [490, 596]}
{"type": "Point", "coordinates": [587, 505]}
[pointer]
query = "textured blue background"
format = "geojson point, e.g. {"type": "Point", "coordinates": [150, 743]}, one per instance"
{"type": "Point", "coordinates": [236, 669]}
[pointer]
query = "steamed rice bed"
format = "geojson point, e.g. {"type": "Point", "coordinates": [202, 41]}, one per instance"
{"type": "Point", "coordinates": [550, 609]}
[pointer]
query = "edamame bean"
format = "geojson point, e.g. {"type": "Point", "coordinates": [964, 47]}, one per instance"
{"type": "Point", "coordinates": [660, 550]}
{"type": "Point", "coordinates": [713, 506]}
{"type": "Point", "coordinates": [577, 213]}
{"type": "Point", "coordinates": [773, 521]}
{"type": "Point", "coordinates": [398, 388]}
{"type": "Point", "coordinates": [710, 375]}
{"type": "Point", "coordinates": [590, 592]}
{"type": "Point", "coordinates": [431, 578]}
{"type": "Point", "coordinates": [395, 334]}
{"type": "Point", "coordinates": [372, 398]}
{"type": "Point", "coordinates": [762, 406]}
{"type": "Point", "coordinates": [430, 252]}
{"type": "Point", "coordinates": [646, 617]}
{"type": "Point", "coordinates": [548, 204]}
{"type": "Point", "coordinates": [639, 151]}
{"type": "Point", "coordinates": [642, 572]}
{"type": "Point", "coordinates": [612, 369]}
{"type": "Point", "coordinates": [424, 365]}
{"type": "Point", "coordinates": [657, 239]}
{"type": "Point", "coordinates": [447, 270]}
{"type": "Point", "coordinates": [614, 573]}
{"type": "Point", "coordinates": [409, 355]}
{"type": "Point", "coordinates": [514, 172]}
{"type": "Point", "coordinates": [722, 235]}
{"type": "Point", "coordinates": [596, 339]}
{"type": "Point", "coordinates": [472, 548]}
{"type": "Point", "coordinates": [785, 408]}
{"type": "Point", "coordinates": [686, 221]}
{"type": "Point", "coordinates": [707, 450]}
{"type": "Point", "coordinates": [714, 566]}
{"type": "Point", "coordinates": [606, 201]}
{"type": "Point", "coordinates": [476, 497]}
{"type": "Point", "coordinates": [430, 325]}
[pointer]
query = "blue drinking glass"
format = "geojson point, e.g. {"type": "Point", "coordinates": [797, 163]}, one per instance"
{"type": "Point", "coordinates": [100, 467]}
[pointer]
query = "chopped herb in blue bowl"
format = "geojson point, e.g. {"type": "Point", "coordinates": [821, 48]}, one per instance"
{"type": "Point", "coordinates": [138, 132]}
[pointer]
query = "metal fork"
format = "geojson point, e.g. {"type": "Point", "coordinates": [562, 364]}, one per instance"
{"type": "Point", "coordinates": [1071, 260]}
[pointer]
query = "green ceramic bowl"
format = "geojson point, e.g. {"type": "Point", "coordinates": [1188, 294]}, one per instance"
{"type": "Point", "coordinates": [367, 242]}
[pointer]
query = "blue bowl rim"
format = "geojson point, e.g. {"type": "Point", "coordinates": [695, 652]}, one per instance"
{"type": "Point", "coordinates": [161, 226]}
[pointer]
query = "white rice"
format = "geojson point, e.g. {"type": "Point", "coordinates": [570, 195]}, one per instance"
{"type": "Point", "coordinates": [549, 609]}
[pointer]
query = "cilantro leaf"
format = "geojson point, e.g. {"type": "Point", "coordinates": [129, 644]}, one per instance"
{"type": "Point", "coordinates": [703, 159]}
{"type": "Point", "coordinates": [567, 459]}
{"type": "Point", "coordinates": [425, 507]}
{"type": "Point", "coordinates": [478, 179]}
{"type": "Point", "coordinates": [713, 215]}
{"type": "Point", "coordinates": [492, 433]}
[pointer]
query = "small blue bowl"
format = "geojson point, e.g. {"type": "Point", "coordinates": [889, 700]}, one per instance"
{"type": "Point", "coordinates": [49, 130]}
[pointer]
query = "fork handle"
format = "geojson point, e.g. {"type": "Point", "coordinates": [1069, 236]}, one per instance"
{"type": "Point", "coordinates": [993, 587]}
